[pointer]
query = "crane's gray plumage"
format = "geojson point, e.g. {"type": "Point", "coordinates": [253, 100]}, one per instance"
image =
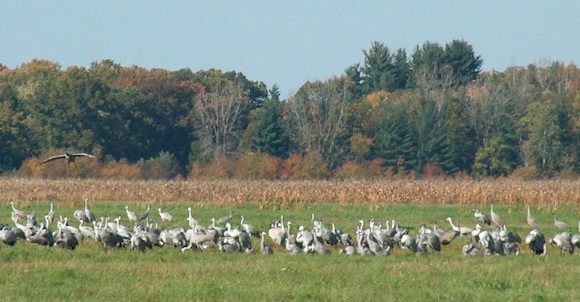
{"type": "Point", "coordinates": [18, 213]}
{"type": "Point", "coordinates": [471, 250]}
{"type": "Point", "coordinates": [560, 224]}
{"type": "Point", "coordinates": [145, 214]}
{"type": "Point", "coordinates": [250, 229]}
{"type": "Point", "coordinates": [430, 242]}
{"type": "Point", "coordinates": [66, 239]}
{"type": "Point", "coordinates": [165, 216]}
{"type": "Point", "coordinates": [90, 216]}
{"type": "Point", "coordinates": [131, 215]}
{"type": "Point", "coordinates": [495, 218]}
{"type": "Point", "coordinates": [8, 237]}
{"type": "Point", "coordinates": [564, 242]}
{"type": "Point", "coordinates": [264, 248]}
{"type": "Point", "coordinates": [531, 220]}
{"type": "Point", "coordinates": [50, 216]}
{"type": "Point", "coordinates": [225, 219]}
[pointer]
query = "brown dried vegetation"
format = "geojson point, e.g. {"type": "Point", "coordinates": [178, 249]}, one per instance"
{"type": "Point", "coordinates": [547, 194]}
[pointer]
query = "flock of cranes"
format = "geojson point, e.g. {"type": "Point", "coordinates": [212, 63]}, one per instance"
{"type": "Point", "coordinates": [224, 235]}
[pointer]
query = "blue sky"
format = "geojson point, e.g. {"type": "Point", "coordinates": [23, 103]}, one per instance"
{"type": "Point", "coordinates": [281, 42]}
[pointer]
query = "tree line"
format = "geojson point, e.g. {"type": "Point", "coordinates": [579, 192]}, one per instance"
{"type": "Point", "coordinates": [433, 112]}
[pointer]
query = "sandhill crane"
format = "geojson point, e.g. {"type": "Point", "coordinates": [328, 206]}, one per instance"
{"type": "Point", "coordinates": [463, 231]}
{"type": "Point", "coordinates": [165, 216]}
{"type": "Point", "coordinates": [564, 242]}
{"type": "Point", "coordinates": [264, 248]}
{"type": "Point", "coordinates": [304, 237]}
{"type": "Point", "coordinates": [509, 240]}
{"type": "Point", "coordinates": [531, 220]}
{"type": "Point", "coordinates": [80, 215]}
{"type": "Point", "coordinates": [145, 214]}
{"type": "Point", "coordinates": [31, 220]}
{"type": "Point", "coordinates": [8, 237]}
{"type": "Point", "coordinates": [88, 213]}
{"type": "Point", "coordinates": [86, 231]}
{"type": "Point", "coordinates": [131, 215]}
{"type": "Point", "coordinates": [18, 213]}
{"type": "Point", "coordinates": [471, 250]}
{"type": "Point", "coordinates": [348, 250]}
{"type": "Point", "coordinates": [324, 234]}
{"type": "Point", "coordinates": [70, 158]}
{"type": "Point", "coordinates": [108, 238]}
{"type": "Point", "coordinates": [485, 239]}
{"type": "Point", "coordinates": [234, 233]}
{"type": "Point", "coordinates": [137, 243]}
{"type": "Point", "coordinates": [536, 242]}
{"type": "Point", "coordinates": [560, 224]}
{"type": "Point", "coordinates": [66, 239]}
{"type": "Point", "coordinates": [42, 237]}
{"type": "Point", "coordinates": [409, 243]}
{"type": "Point", "coordinates": [495, 218]}
{"type": "Point", "coordinates": [250, 229]}
{"type": "Point", "coordinates": [277, 234]}
{"type": "Point", "coordinates": [50, 216]}
{"type": "Point", "coordinates": [430, 242]}
{"type": "Point", "coordinates": [482, 217]}
{"type": "Point", "coordinates": [192, 221]}
{"type": "Point", "coordinates": [344, 238]}
{"type": "Point", "coordinates": [225, 219]}
{"type": "Point", "coordinates": [448, 236]}
{"type": "Point", "coordinates": [292, 248]}
{"type": "Point", "coordinates": [374, 245]}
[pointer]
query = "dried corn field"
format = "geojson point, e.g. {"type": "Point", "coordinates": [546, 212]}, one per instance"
{"type": "Point", "coordinates": [546, 194]}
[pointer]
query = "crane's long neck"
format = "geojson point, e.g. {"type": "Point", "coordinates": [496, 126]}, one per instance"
{"type": "Point", "coordinates": [51, 208]}
{"type": "Point", "coordinates": [189, 213]}
{"type": "Point", "coordinates": [242, 220]}
{"type": "Point", "coordinates": [452, 225]}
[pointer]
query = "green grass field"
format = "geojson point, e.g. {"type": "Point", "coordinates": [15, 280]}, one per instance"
{"type": "Point", "coordinates": [89, 273]}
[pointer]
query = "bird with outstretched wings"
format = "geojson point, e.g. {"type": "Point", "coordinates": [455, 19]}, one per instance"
{"type": "Point", "coordinates": [70, 158]}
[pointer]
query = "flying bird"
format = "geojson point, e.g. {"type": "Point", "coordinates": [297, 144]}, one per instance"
{"type": "Point", "coordinates": [70, 158]}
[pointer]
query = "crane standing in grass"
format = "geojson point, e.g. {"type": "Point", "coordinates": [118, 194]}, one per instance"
{"type": "Point", "coordinates": [531, 220]}
{"type": "Point", "coordinates": [560, 224]}
{"type": "Point", "coordinates": [495, 218]}
{"type": "Point", "coordinates": [131, 215]}
{"type": "Point", "coordinates": [165, 216]}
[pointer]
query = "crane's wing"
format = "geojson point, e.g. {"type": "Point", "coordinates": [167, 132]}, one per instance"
{"type": "Point", "coordinates": [52, 158]}
{"type": "Point", "coordinates": [83, 154]}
